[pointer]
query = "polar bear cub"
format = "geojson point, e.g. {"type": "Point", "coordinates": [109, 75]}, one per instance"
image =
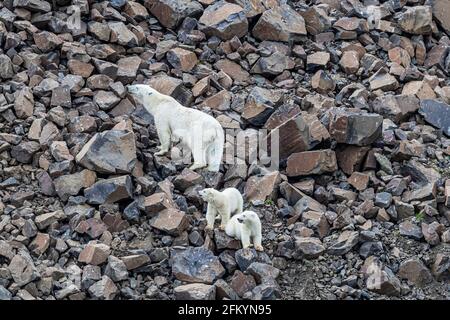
{"type": "Point", "coordinates": [200, 132]}
{"type": "Point", "coordinates": [245, 226]}
{"type": "Point", "coordinates": [224, 203]}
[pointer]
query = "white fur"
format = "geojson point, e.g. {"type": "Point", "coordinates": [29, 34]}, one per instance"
{"type": "Point", "coordinates": [246, 226]}
{"type": "Point", "coordinates": [224, 203]}
{"type": "Point", "coordinates": [200, 132]}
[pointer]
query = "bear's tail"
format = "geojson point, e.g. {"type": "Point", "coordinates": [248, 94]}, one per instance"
{"type": "Point", "coordinates": [215, 150]}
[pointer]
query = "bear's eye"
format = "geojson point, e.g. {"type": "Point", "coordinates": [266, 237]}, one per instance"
{"type": "Point", "coordinates": [149, 94]}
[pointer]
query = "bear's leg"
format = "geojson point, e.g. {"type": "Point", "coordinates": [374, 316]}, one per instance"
{"type": "Point", "coordinates": [199, 157]}
{"type": "Point", "coordinates": [210, 217]}
{"type": "Point", "coordinates": [225, 214]}
{"type": "Point", "coordinates": [214, 155]}
{"type": "Point", "coordinates": [257, 243]}
{"type": "Point", "coordinates": [164, 138]}
{"type": "Point", "coordinates": [245, 237]}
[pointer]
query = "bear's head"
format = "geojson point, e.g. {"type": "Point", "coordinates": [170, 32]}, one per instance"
{"type": "Point", "coordinates": [247, 217]}
{"type": "Point", "coordinates": [207, 194]}
{"type": "Point", "coordinates": [141, 92]}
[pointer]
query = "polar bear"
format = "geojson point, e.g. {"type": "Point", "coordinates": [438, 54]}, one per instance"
{"type": "Point", "coordinates": [244, 226]}
{"type": "Point", "coordinates": [224, 203]}
{"type": "Point", "coordinates": [200, 132]}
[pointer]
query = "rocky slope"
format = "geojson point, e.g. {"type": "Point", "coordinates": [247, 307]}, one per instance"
{"type": "Point", "coordinates": [358, 90]}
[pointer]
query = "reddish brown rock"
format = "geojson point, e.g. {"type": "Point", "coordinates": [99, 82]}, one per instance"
{"type": "Point", "coordinates": [280, 23]}
{"type": "Point", "coordinates": [359, 180]}
{"type": "Point", "coordinates": [350, 158]}
{"type": "Point", "coordinates": [262, 188]}
{"type": "Point", "coordinates": [171, 221]}
{"type": "Point", "coordinates": [311, 162]}
{"type": "Point", "coordinates": [170, 13]}
{"type": "Point", "coordinates": [94, 253]}
{"type": "Point", "coordinates": [182, 59]}
{"type": "Point", "coordinates": [224, 20]}
{"type": "Point", "coordinates": [349, 62]}
{"type": "Point", "coordinates": [156, 203]}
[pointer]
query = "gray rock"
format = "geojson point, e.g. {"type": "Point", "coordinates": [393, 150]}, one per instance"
{"type": "Point", "coordinates": [109, 190]}
{"type": "Point", "coordinates": [436, 113]}
{"type": "Point", "coordinates": [112, 151]}
{"type": "Point", "coordinates": [195, 291]}
{"type": "Point", "coordinates": [196, 265]}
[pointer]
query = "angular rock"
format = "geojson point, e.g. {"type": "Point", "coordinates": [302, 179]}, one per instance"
{"type": "Point", "coordinates": [308, 247]}
{"type": "Point", "coordinates": [280, 23]}
{"type": "Point", "coordinates": [109, 190]}
{"type": "Point", "coordinates": [437, 114]}
{"type": "Point", "coordinates": [224, 20]}
{"type": "Point", "coordinates": [415, 272]}
{"type": "Point", "coordinates": [195, 291]}
{"type": "Point", "coordinates": [171, 221]}
{"type": "Point", "coordinates": [111, 151]}
{"type": "Point", "coordinates": [311, 162]}
{"type": "Point", "coordinates": [196, 265]}
{"type": "Point", "coordinates": [345, 242]}
{"type": "Point", "coordinates": [94, 253]}
{"type": "Point", "coordinates": [170, 13]}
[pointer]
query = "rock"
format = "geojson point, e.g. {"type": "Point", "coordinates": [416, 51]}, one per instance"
{"type": "Point", "coordinates": [260, 104]}
{"type": "Point", "coordinates": [317, 60]}
{"type": "Point", "coordinates": [382, 80]}
{"type": "Point", "coordinates": [46, 41]}
{"type": "Point", "coordinates": [106, 100]}
{"type": "Point", "coordinates": [24, 103]}
{"type": "Point", "coordinates": [224, 20]}
{"type": "Point", "coordinates": [196, 265]}
{"type": "Point", "coordinates": [349, 62]}
{"type": "Point", "coordinates": [381, 280]}
{"type": "Point", "coordinates": [40, 244]}
{"type": "Point", "coordinates": [383, 199]}
{"type": "Point", "coordinates": [122, 35]}
{"type": "Point", "coordinates": [135, 261]}
{"type": "Point", "coordinates": [224, 291]}
{"type": "Point", "coordinates": [116, 269]}
{"type": "Point", "coordinates": [136, 10]}
{"type": "Point", "coordinates": [104, 289]}
{"type": "Point", "coordinates": [355, 127]}
{"type": "Point", "coordinates": [322, 82]}
{"type": "Point", "coordinates": [447, 192]}
{"type": "Point", "coordinates": [345, 242]}
{"type": "Point", "coordinates": [44, 220]}
{"type": "Point", "coordinates": [242, 283]}
{"type": "Point", "coordinates": [263, 272]}
{"type": "Point", "coordinates": [127, 69]}
{"type": "Point", "coordinates": [437, 114]}
{"type": "Point", "coordinates": [350, 158]}
{"type": "Point", "coordinates": [430, 233]}
{"type": "Point", "coordinates": [22, 268]}
{"type": "Point", "coordinates": [441, 266]}
{"type": "Point", "coordinates": [234, 70]}
{"type": "Point", "coordinates": [311, 162]}
{"type": "Point", "coordinates": [94, 253]}
{"type": "Point", "coordinates": [109, 190]}
{"type": "Point", "coordinates": [440, 13]}
{"type": "Point", "coordinates": [398, 107]}
{"type": "Point", "coordinates": [186, 179]}
{"type": "Point", "coordinates": [316, 20]}
{"type": "Point", "coordinates": [182, 59]}
{"type": "Point", "coordinates": [316, 221]}
{"type": "Point", "coordinates": [156, 203]}
{"type": "Point", "coordinates": [6, 67]}
{"type": "Point", "coordinates": [261, 188]}
{"type": "Point", "coordinates": [416, 20]}
{"type": "Point", "coordinates": [415, 272]}
{"type": "Point", "coordinates": [170, 13]}
{"type": "Point", "coordinates": [223, 241]}
{"type": "Point", "coordinates": [280, 23]}
{"type": "Point", "coordinates": [111, 151]}
{"type": "Point", "coordinates": [195, 291]}
{"type": "Point", "coordinates": [4, 293]}
{"type": "Point", "coordinates": [245, 257]}
{"type": "Point", "coordinates": [220, 101]}
{"type": "Point", "coordinates": [33, 5]}
{"type": "Point", "coordinates": [25, 151]}
{"type": "Point", "coordinates": [308, 247]}
{"type": "Point", "coordinates": [409, 229]}
{"type": "Point", "coordinates": [171, 221]}
{"type": "Point", "coordinates": [359, 180]}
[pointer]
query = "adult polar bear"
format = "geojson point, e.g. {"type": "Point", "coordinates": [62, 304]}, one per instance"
{"type": "Point", "coordinates": [200, 132]}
